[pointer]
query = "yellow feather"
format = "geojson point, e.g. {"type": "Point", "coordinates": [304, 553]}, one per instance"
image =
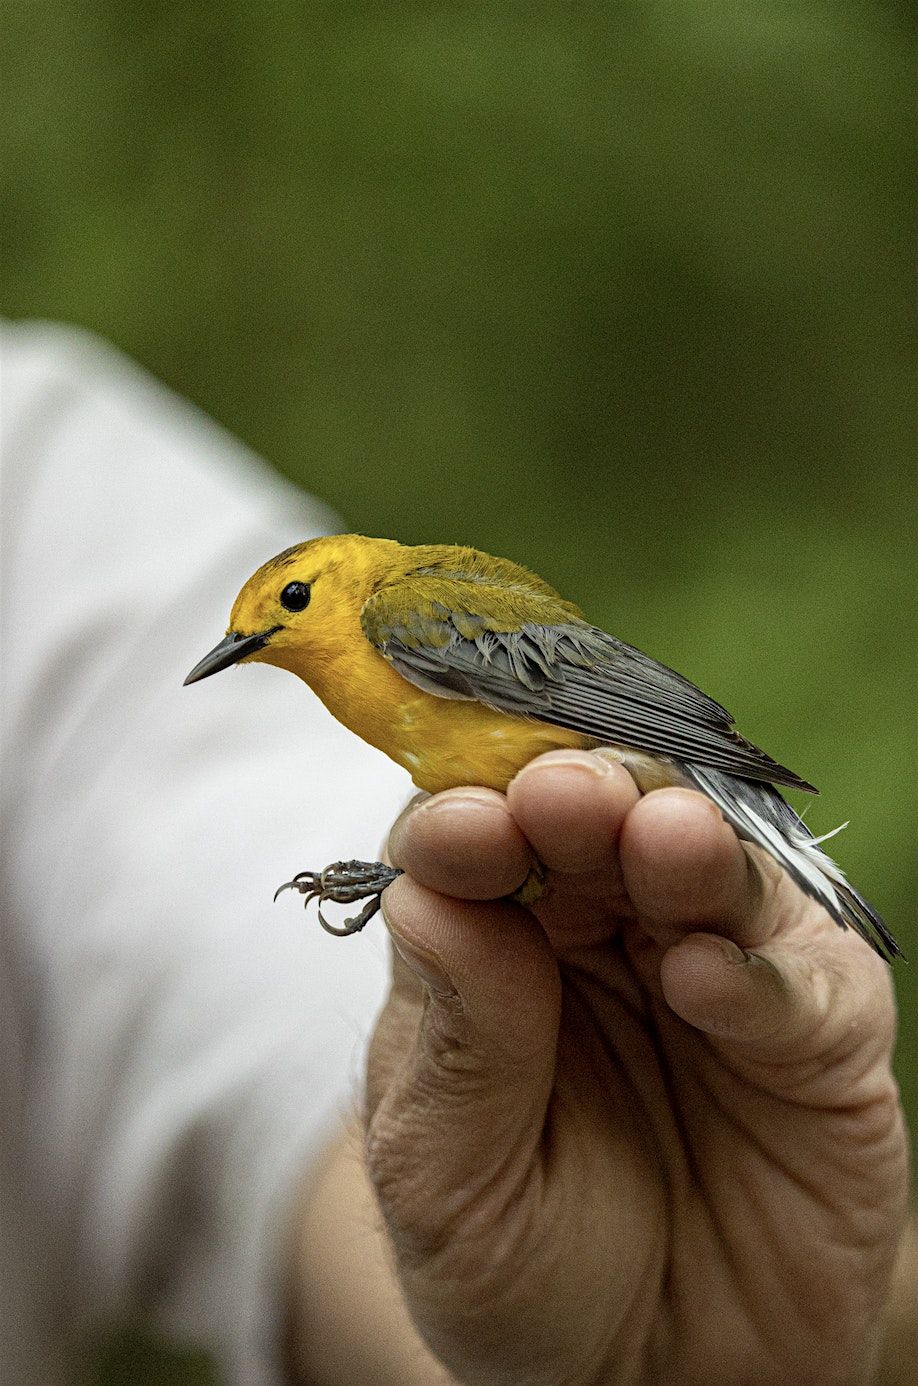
{"type": "Point", "coordinates": [442, 743]}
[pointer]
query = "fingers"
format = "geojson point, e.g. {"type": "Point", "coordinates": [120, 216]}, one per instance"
{"type": "Point", "coordinates": [751, 961]}
{"type": "Point", "coordinates": [565, 809]}
{"type": "Point", "coordinates": [669, 856]}
{"type": "Point", "coordinates": [737, 995]}
{"type": "Point", "coordinates": [684, 866]}
{"type": "Point", "coordinates": [571, 806]}
{"type": "Point", "coordinates": [461, 1066]}
{"type": "Point", "coordinates": [817, 1004]}
{"type": "Point", "coordinates": [669, 859]}
{"type": "Point", "coordinates": [463, 843]}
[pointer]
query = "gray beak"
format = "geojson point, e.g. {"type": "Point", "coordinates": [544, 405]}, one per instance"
{"type": "Point", "coordinates": [230, 650]}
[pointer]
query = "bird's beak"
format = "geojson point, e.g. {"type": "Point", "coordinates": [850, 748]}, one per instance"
{"type": "Point", "coordinates": [230, 650]}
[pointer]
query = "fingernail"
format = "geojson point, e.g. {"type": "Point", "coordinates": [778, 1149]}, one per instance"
{"type": "Point", "coordinates": [648, 772]}
{"type": "Point", "coordinates": [732, 952]}
{"type": "Point", "coordinates": [425, 964]}
{"type": "Point", "coordinates": [442, 803]}
{"type": "Point", "coordinates": [608, 755]}
{"type": "Point", "coordinates": [697, 800]}
{"type": "Point", "coordinates": [576, 760]}
{"type": "Point", "coordinates": [740, 957]}
{"type": "Point", "coordinates": [462, 798]}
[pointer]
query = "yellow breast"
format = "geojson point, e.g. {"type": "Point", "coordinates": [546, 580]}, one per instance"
{"type": "Point", "coordinates": [446, 743]}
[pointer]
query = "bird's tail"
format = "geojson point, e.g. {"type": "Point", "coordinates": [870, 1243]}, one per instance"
{"type": "Point", "coordinates": [759, 814]}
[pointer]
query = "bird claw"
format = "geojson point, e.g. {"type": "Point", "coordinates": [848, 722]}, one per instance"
{"type": "Point", "coordinates": [344, 883]}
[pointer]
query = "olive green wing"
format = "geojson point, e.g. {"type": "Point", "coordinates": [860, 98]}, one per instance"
{"type": "Point", "coordinates": [527, 653]}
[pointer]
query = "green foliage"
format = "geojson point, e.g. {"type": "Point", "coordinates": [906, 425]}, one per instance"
{"type": "Point", "coordinates": [619, 290]}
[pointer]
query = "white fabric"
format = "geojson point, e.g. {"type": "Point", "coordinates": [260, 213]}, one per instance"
{"type": "Point", "coordinates": [174, 1045]}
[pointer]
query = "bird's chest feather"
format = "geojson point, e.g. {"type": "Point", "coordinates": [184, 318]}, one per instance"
{"type": "Point", "coordinates": [441, 742]}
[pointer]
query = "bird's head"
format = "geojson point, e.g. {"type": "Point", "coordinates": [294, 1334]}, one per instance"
{"type": "Point", "coordinates": [298, 607]}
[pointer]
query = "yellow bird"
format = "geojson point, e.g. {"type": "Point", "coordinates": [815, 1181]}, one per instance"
{"type": "Point", "coordinates": [463, 667]}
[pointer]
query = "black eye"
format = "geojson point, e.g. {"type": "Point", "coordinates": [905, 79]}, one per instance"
{"type": "Point", "coordinates": [295, 596]}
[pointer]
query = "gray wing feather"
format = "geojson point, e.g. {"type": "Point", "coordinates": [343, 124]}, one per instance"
{"type": "Point", "coordinates": [570, 675]}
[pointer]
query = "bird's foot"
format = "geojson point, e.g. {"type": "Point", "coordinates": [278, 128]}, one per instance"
{"type": "Point", "coordinates": [344, 882]}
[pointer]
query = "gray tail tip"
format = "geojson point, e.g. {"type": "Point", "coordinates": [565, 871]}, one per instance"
{"type": "Point", "coordinates": [864, 919]}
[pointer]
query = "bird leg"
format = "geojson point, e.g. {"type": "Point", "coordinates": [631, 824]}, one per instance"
{"type": "Point", "coordinates": [344, 882]}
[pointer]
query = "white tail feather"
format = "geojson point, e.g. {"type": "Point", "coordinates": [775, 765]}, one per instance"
{"type": "Point", "coordinates": [824, 837]}
{"type": "Point", "coordinates": [758, 813]}
{"type": "Point", "coordinates": [798, 853]}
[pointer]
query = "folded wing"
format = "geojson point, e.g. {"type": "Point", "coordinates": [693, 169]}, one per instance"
{"type": "Point", "coordinates": [524, 653]}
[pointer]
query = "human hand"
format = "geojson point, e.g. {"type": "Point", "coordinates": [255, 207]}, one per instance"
{"type": "Point", "coordinates": [647, 1131]}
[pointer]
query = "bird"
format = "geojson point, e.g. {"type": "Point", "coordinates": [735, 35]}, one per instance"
{"type": "Point", "coordinates": [463, 667]}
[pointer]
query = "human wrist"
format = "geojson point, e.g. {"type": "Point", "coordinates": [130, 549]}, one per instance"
{"type": "Point", "coordinates": [346, 1317]}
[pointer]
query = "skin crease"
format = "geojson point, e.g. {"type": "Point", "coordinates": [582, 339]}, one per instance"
{"type": "Point", "coordinates": [610, 1146]}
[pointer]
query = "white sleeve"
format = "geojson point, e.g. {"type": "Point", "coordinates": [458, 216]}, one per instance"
{"type": "Point", "coordinates": [184, 1043]}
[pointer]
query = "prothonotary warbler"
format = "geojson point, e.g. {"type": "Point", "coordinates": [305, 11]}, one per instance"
{"type": "Point", "coordinates": [463, 667]}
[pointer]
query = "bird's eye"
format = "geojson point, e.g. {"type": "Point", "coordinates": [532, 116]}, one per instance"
{"type": "Point", "coordinates": [295, 596]}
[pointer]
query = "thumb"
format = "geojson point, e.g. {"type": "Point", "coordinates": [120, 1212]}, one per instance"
{"type": "Point", "coordinates": [461, 1066]}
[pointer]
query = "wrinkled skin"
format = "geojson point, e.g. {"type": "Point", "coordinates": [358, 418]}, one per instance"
{"type": "Point", "coordinates": [646, 1132]}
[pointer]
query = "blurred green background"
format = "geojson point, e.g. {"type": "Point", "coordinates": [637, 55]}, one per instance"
{"type": "Point", "coordinates": [621, 290]}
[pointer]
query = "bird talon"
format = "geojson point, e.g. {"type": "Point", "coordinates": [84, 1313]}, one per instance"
{"type": "Point", "coordinates": [304, 882]}
{"type": "Point", "coordinates": [351, 926]}
{"type": "Point", "coordinates": [344, 883]}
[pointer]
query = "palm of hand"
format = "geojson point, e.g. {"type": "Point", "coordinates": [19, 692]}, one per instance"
{"type": "Point", "coordinates": [618, 1149]}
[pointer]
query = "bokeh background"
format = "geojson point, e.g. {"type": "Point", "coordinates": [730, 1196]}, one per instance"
{"type": "Point", "coordinates": [622, 290]}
